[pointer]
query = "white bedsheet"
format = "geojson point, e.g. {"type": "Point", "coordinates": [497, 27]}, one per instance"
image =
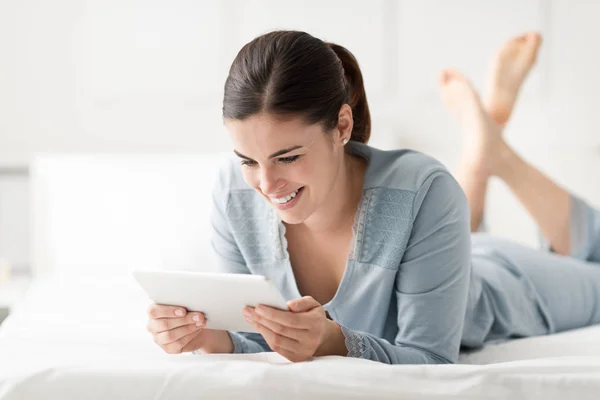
{"type": "Point", "coordinates": [86, 338]}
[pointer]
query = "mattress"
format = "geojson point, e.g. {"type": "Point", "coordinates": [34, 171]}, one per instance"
{"type": "Point", "coordinates": [84, 337]}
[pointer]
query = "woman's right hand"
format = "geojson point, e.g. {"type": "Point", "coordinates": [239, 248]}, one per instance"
{"type": "Point", "coordinates": [176, 331]}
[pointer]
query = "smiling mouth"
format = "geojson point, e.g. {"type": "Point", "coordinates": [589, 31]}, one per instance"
{"type": "Point", "coordinates": [288, 198]}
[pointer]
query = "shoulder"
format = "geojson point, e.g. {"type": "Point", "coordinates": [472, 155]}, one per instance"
{"type": "Point", "coordinates": [406, 170]}
{"type": "Point", "coordinates": [410, 177]}
{"type": "Point", "coordinates": [407, 197]}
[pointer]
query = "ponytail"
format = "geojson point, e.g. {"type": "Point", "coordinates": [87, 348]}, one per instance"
{"type": "Point", "coordinates": [357, 97]}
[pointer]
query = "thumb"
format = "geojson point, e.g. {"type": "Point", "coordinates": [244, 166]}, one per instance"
{"type": "Point", "coordinates": [303, 304]}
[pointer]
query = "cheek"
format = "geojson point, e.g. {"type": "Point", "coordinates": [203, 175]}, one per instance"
{"type": "Point", "coordinates": [303, 173]}
{"type": "Point", "coordinates": [324, 169]}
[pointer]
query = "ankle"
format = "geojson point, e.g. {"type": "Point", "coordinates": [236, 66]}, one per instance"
{"type": "Point", "coordinates": [500, 117]}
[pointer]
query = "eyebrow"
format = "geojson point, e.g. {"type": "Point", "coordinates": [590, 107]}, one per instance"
{"type": "Point", "coordinates": [276, 154]}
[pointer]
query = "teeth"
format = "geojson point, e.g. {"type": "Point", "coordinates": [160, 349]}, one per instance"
{"type": "Point", "coordinates": [283, 200]}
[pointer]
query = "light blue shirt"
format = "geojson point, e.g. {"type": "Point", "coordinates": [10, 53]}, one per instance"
{"type": "Point", "coordinates": [413, 290]}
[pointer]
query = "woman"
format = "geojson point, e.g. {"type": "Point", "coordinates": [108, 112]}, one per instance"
{"type": "Point", "coordinates": [371, 248]}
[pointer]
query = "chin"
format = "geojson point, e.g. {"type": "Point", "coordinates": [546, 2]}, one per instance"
{"type": "Point", "coordinates": [290, 218]}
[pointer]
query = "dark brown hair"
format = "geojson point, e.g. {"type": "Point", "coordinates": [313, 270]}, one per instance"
{"type": "Point", "coordinates": [294, 73]}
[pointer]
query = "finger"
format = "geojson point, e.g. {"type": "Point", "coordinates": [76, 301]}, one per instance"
{"type": "Point", "coordinates": [293, 357]}
{"type": "Point", "coordinates": [286, 318]}
{"type": "Point", "coordinates": [162, 311]}
{"type": "Point", "coordinates": [174, 335]}
{"type": "Point", "coordinates": [305, 303]}
{"type": "Point", "coordinates": [178, 346]}
{"type": "Point", "coordinates": [165, 324]}
{"type": "Point", "coordinates": [275, 341]}
{"type": "Point", "coordinates": [292, 333]}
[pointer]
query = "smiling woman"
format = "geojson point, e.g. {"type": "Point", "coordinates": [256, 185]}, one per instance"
{"type": "Point", "coordinates": [290, 102]}
{"type": "Point", "coordinates": [371, 248]}
{"type": "Point", "coordinates": [287, 160]}
{"type": "Point", "coordinates": [335, 227]}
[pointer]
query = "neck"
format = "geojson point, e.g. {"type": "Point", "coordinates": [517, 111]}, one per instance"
{"type": "Point", "coordinates": [338, 213]}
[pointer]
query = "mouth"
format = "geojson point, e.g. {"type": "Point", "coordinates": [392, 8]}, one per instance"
{"type": "Point", "coordinates": [286, 202]}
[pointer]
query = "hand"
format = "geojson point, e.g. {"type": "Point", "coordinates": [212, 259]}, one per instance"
{"type": "Point", "coordinates": [298, 334]}
{"type": "Point", "coordinates": [176, 330]}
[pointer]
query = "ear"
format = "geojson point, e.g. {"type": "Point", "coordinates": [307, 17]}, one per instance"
{"type": "Point", "coordinates": [345, 124]}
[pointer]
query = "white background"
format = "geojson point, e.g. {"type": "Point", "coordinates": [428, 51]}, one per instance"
{"type": "Point", "coordinates": [146, 76]}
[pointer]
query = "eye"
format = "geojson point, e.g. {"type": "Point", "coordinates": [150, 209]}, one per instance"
{"type": "Point", "coordinates": [288, 160]}
{"type": "Point", "coordinates": [248, 163]}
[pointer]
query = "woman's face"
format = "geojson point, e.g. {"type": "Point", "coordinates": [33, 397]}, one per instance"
{"type": "Point", "coordinates": [291, 164]}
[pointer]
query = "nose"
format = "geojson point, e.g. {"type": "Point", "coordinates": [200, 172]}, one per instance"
{"type": "Point", "coordinates": [269, 180]}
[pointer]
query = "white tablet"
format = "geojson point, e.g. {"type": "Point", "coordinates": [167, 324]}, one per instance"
{"type": "Point", "coordinates": [221, 297]}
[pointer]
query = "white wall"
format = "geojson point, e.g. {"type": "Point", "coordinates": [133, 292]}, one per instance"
{"type": "Point", "coordinates": [147, 76]}
{"type": "Point", "coordinates": [14, 220]}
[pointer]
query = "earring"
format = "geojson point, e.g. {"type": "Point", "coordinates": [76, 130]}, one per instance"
{"type": "Point", "coordinates": [345, 141]}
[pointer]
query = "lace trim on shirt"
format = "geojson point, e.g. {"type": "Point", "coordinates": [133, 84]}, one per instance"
{"type": "Point", "coordinates": [358, 226]}
{"type": "Point", "coordinates": [356, 344]}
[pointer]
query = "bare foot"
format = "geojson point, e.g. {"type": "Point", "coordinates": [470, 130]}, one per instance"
{"type": "Point", "coordinates": [482, 136]}
{"type": "Point", "coordinates": [509, 69]}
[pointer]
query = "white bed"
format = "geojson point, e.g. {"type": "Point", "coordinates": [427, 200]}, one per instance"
{"type": "Point", "coordinates": [80, 330]}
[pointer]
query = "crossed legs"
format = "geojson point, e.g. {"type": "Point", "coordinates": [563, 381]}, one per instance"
{"type": "Point", "coordinates": [485, 152]}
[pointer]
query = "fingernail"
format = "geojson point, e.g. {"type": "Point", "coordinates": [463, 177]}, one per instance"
{"type": "Point", "coordinates": [247, 313]}
{"type": "Point", "coordinates": [179, 313]}
{"type": "Point", "coordinates": [196, 318]}
{"type": "Point", "coordinates": [259, 311]}
{"type": "Point", "coordinates": [199, 324]}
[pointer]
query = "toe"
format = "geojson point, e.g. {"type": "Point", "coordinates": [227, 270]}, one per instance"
{"type": "Point", "coordinates": [450, 74]}
{"type": "Point", "coordinates": [534, 38]}
{"type": "Point", "coordinates": [445, 76]}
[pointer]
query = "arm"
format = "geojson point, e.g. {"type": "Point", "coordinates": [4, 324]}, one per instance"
{"type": "Point", "coordinates": [230, 260]}
{"type": "Point", "coordinates": [432, 282]}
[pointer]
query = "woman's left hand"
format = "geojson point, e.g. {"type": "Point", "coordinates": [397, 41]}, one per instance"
{"type": "Point", "coordinates": [298, 334]}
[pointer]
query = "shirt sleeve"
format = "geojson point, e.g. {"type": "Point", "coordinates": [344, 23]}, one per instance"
{"type": "Point", "coordinates": [230, 260]}
{"type": "Point", "coordinates": [584, 231]}
{"type": "Point", "coordinates": [432, 282]}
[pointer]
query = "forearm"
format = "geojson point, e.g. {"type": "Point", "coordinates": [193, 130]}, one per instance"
{"type": "Point", "coordinates": [546, 202]}
{"type": "Point", "coordinates": [334, 343]}
{"type": "Point", "coordinates": [369, 347]}
{"type": "Point", "coordinates": [372, 348]}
